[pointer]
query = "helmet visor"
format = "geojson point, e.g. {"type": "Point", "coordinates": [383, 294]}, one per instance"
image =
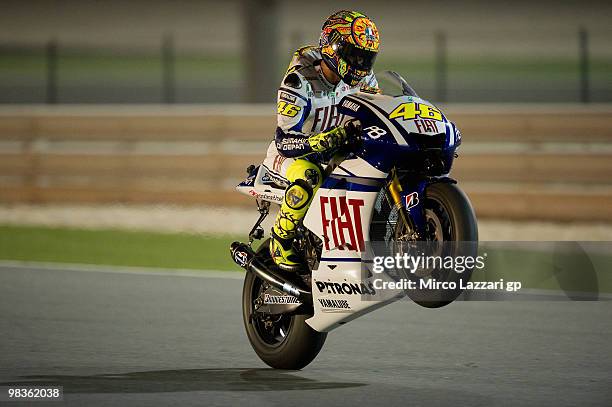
{"type": "Point", "coordinates": [356, 57]}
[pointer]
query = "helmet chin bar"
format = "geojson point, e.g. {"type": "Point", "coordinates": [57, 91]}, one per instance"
{"type": "Point", "coordinates": [351, 78]}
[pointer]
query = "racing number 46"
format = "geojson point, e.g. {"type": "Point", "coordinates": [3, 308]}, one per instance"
{"type": "Point", "coordinates": [287, 109]}
{"type": "Point", "coordinates": [407, 111]}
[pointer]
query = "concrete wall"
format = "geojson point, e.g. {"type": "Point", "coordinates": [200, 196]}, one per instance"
{"type": "Point", "coordinates": [520, 162]}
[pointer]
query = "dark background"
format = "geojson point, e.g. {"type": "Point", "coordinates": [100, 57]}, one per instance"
{"type": "Point", "coordinates": [70, 51]}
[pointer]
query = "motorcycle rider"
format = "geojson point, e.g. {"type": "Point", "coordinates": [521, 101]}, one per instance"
{"type": "Point", "coordinates": [309, 125]}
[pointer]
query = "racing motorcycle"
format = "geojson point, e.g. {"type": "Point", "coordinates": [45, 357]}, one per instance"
{"type": "Point", "coordinates": [392, 186]}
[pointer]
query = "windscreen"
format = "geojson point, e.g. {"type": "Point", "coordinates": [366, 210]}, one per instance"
{"type": "Point", "coordinates": [392, 84]}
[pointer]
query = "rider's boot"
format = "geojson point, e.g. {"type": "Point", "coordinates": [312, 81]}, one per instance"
{"type": "Point", "coordinates": [293, 209]}
{"type": "Point", "coordinates": [305, 178]}
{"type": "Point", "coordinates": [283, 253]}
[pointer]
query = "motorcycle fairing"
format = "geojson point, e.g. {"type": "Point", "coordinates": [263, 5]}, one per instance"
{"type": "Point", "coordinates": [263, 184]}
{"type": "Point", "coordinates": [342, 209]}
{"type": "Point", "coordinates": [340, 216]}
{"type": "Point", "coordinates": [401, 138]}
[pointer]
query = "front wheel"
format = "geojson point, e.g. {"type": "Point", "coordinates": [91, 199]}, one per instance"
{"type": "Point", "coordinates": [281, 341]}
{"type": "Point", "coordinates": [449, 211]}
{"type": "Point", "coordinates": [451, 227]}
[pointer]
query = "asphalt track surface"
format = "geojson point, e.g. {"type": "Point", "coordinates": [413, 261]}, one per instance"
{"type": "Point", "coordinates": [113, 339]}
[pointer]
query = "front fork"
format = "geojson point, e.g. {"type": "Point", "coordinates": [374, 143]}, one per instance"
{"type": "Point", "coordinates": [408, 199]}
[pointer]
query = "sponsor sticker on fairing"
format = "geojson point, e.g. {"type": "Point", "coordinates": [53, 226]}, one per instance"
{"type": "Point", "coordinates": [411, 200]}
{"type": "Point", "coordinates": [332, 287]}
{"type": "Point", "coordinates": [341, 222]}
{"type": "Point", "coordinates": [334, 304]}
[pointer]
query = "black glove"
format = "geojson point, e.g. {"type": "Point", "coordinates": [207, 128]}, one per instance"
{"type": "Point", "coordinates": [353, 129]}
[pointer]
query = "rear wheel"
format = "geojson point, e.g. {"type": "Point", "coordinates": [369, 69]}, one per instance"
{"type": "Point", "coordinates": [281, 341]}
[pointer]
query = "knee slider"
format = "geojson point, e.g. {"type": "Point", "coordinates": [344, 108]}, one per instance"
{"type": "Point", "coordinates": [298, 194]}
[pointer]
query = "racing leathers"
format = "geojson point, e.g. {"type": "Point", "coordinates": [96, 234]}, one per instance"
{"type": "Point", "coordinates": [309, 129]}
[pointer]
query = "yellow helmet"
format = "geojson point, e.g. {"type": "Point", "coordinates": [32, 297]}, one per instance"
{"type": "Point", "coordinates": [349, 44]}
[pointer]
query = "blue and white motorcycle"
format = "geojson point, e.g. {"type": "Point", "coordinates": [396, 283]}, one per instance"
{"type": "Point", "coordinates": [393, 186]}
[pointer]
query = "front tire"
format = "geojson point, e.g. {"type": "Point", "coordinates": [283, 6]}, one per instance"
{"type": "Point", "coordinates": [281, 341]}
{"type": "Point", "coordinates": [450, 220]}
{"type": "Point", "coordinates": [461, 216]}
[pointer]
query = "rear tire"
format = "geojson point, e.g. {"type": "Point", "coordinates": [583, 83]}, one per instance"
{"type": "Point", "coordinates": [288, 342]}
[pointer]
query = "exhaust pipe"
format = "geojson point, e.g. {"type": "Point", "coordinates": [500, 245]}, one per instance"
{"type": "Point", "coordinates": [243, 255]}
